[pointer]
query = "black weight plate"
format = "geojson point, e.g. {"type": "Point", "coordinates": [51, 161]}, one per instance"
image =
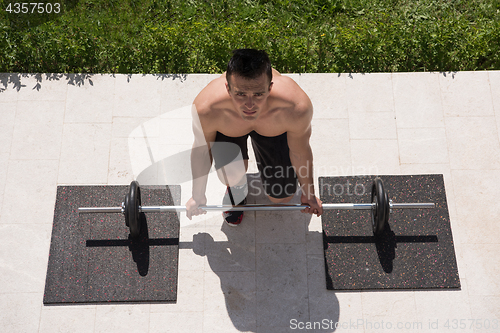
{"type": "Point", "coordinates": [132, 209]}
{"type": "Point", "coordinates": [126, 203]}
{"type": "Point", "coordinates": [380, 214]}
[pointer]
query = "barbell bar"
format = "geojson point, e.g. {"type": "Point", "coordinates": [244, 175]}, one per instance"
{"type": "Point", "coordinates": [254, 207]}
{"type": "Point", "coordinates": [381, 206]}
{"type": "Point", "coordinates": [246, 208]}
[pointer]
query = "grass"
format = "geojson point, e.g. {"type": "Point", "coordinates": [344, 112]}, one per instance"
{"type": "Point", "coordinates": [197, 36]}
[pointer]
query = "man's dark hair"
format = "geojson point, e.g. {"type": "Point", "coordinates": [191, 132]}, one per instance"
{"type": "Point", "coordinates": [249, 63]}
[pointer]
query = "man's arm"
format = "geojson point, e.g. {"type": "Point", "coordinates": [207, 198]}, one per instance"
{"type": "Point", "coordinates": [201, 160]}
{"type": "Point", "coordinates": [301, 155]}
{"type": "Point", "coordinates": [302, 158]}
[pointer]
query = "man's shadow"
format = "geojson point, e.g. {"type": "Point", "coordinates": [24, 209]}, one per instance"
{"type": "Point", "coordinates": [269, 280]}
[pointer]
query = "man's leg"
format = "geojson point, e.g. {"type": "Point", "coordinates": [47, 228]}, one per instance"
{"type": "Point", "coordinates": [231, 162]}
{"type": "Point", "coordinates": [278, 176]}
{"type": "Point", "coordinates": [234, 173]}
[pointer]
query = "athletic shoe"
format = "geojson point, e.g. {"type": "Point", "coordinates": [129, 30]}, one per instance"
{"type": "Point", "coordinates": [232, 218]}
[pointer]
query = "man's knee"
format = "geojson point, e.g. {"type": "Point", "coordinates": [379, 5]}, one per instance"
{"type": "Point", "coordinates": [280, 200]}
{"type": "Point", "coordinates": [233, 173]}
{"type": "Point", "coordinates": [280, 193]}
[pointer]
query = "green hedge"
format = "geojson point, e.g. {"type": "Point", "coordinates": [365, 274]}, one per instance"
{"type": "Point", "coordinates": [179, 36]}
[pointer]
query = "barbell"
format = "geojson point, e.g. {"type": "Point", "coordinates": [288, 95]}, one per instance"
{"type": "Point", "coordinates": [381, 207]}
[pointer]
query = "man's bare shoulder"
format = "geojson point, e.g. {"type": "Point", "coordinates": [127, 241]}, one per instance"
{"type": "Point", "coordinates": [211, 97]}
{"type": "Point", "coordinates": [287, 90]}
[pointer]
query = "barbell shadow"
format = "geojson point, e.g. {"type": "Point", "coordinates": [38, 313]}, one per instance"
{"type": "Point", "coordinates": [139, 247]}
{"type": "Point", "coordinates": [385, 243]}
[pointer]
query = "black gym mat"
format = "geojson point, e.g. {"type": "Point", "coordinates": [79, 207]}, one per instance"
{"type": "Point", "coordinates": [415, 252]}
{"type": "Point", "coordinates": [92, 257]}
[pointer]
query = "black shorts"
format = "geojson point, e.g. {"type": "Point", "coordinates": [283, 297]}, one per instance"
{"type": "Point", "coordinates": [272, 155]}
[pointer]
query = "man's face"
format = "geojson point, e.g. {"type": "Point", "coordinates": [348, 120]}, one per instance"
{"type": "Point", "coordinates": [249, 95]}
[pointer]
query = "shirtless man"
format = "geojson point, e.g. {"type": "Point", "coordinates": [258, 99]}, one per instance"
{"type": "Point", "coordinates": [253, 99]}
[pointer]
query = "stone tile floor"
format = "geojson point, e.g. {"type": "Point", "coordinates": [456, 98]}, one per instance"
{"type": "Point", "coordinates": [268, 274]}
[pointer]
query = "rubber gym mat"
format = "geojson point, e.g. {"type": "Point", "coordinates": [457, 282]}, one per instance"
{"type": "Point", "coordinates": [415, 252]}
{"type": "Point", "coordinates": [93, 258]}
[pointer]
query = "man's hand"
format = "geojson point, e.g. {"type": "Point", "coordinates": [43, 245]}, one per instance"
{"type": "Point", "coordinates": [192, 207]}
{"type": "Point", "coordinates": [315, 205]}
